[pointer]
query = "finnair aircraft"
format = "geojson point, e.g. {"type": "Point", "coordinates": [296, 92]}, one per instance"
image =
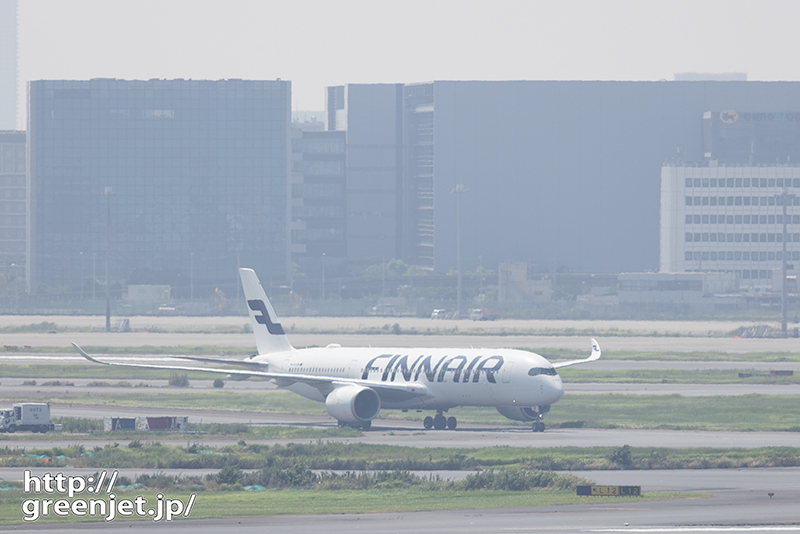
{"type": "Point", "coordinates": [355, 383]}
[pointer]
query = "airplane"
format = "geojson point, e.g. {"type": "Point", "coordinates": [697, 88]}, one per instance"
{"type": "Point", "coordinates": [355, 383]}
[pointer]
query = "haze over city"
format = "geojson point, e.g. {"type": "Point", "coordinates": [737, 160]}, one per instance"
{"type": "Point", "coordinates": [321, 43]}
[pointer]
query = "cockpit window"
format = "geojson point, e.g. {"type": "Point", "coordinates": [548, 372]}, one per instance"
{"type": "Point", "coordinates": [542, 371]}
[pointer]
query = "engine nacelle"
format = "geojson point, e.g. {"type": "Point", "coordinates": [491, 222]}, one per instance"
{"type": "Point", "coordinates": [518, 413]}
{"type": "Point", "coordinates": [353, 404]}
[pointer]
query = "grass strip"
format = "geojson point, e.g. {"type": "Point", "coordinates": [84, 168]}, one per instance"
{"type": "Point", "coordinates": [312, 502]}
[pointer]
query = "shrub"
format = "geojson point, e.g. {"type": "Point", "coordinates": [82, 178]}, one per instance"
{"type": "Point", "coordinates": [179, 380]}
{"type": "Point", "coordinates": [219, 383]}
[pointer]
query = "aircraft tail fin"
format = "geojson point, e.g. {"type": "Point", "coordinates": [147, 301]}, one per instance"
{"type": "Point", "coordinates": [269, 333]}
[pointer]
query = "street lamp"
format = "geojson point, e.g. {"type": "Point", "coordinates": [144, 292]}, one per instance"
{"type": "Point", "coordinates": [108, 192]}
{"type": "Point", "coordinates": [323, 276]}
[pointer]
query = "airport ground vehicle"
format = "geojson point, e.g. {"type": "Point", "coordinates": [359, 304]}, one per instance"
{"type": "Point", "coordinates": [32, 416]}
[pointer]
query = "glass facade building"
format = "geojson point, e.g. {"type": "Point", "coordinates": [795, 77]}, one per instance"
{"type": "Point", "coordinates": [198, 174]}
{"type": "Point", "coordinates": [318, 213]}
{"type": "Point", "coordinates": [12, 202]}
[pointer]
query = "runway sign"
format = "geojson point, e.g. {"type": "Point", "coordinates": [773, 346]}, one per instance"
{"type": "Point", "coordinates": [609, 491]}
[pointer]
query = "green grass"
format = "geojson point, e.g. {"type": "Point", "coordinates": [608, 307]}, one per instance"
{"type": "Point", "coordinates": [337, 455]}
{"type": "Point", "coordinates": [312, 502]}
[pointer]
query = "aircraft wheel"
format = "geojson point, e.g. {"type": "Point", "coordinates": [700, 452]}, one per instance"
{"type": "Point", "coordinates": [366, 425]}
{"type": "Point", "coordinates": [538, 426]}
{"type": "Point", "coordinates": [428, 422]}
{"type": "Point", "coordinates": [451, 423]}
{"type": "Point", "coordinates": [439, 422]}
{"type": "Point", "coordinates": [11, 430]}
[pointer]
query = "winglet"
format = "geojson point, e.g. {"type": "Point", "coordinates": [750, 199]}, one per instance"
{"type": "Point", "coordinates": [595, 355]}
{"type": "Point", "coordinates": [83, 353]}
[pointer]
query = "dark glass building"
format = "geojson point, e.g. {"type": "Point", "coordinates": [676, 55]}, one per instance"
{"type": "Point", "coordinates": [197, 171]}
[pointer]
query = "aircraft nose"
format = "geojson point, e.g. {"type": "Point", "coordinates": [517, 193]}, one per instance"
{"type": "Point", "coordinates": [556, 389]}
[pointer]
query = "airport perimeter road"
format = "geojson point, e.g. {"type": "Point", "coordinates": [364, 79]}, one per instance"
{"type": "Point", "coordinates": [305, 323]}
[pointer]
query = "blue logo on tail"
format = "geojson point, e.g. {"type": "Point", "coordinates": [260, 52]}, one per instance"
{"type": "Point", "coordinates": [258, 306]}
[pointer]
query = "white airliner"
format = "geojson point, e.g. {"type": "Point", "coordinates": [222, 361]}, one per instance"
{"type": "Point", "coordinates": [355, 383]}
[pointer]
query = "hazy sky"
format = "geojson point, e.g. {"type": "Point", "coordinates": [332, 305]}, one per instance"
{"type": "Point", "coordinates": [315, 43]}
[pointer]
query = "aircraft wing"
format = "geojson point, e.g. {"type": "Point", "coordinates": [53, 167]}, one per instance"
{"type": "Point", "coordinates": [256, 366]}
{"type": "Point", "coordinates": [325, 384]}
{"type": "Point", "coordinates": [595, 355]}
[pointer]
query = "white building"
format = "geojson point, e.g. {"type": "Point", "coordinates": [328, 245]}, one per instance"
{"type": "Point", "coordinates": [731, 219]}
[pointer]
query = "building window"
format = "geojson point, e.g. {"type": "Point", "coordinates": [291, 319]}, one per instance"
{"type": "Point", "coordinates": [688, 201]}
{"type": "Point", "coordinates": [688, 182]}
{"type": "Point", "coordinates": [688, 237]}
{"type": "Point", "coordinates": [705, 237]}
{"type": "Point", "coordinates": [713, 255]}
{"type": "Point", "coordinates": [688, 219]}
{"type": "Point", "coordinates": [747, 182]}
{"type": "Point", "coordinates": [713, 182]}
{"type": "Point", "coordinates": [687, 256]}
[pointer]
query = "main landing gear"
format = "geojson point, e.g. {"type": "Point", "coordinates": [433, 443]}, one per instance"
{"type": "Point", "coordinates": [440, 422]}
{"type": "Point", "coordinates": [538, 426]}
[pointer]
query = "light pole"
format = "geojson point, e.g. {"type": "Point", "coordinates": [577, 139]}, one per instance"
{"type": "Point", "coordinates": [191, 276]}
{"type": "Point", "coordinates": [458, 191]}
{"type": "Point", "coordinates": [94, 274]}
{"type": "Point", "coordinates": [80, 269]}
{"type": "Point", "coordinates": [108, 193]}
{"type": "Point", "coordinates": [323, 276]}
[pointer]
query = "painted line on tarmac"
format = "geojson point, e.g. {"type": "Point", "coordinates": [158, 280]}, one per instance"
{"type": "Point", "coordinates": [703, 529]}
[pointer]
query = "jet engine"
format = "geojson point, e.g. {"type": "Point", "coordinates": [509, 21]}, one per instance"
{"type": "Point", "coordinates": [523, 414]}
{"type": "Point", "coordinates": [353, 404]}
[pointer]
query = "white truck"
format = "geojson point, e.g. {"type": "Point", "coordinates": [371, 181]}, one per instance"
{"type": "Point", "coordinates": [33, 416]}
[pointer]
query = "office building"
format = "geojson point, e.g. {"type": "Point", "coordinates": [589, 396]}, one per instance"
{"type": "Point", "coordinates": [732, 219]}
{"type": "Point", "coordinates": [194, 175]}
{"type": "Point", "coordinates": [372, 117]}
{"type": "Point", "coordinates": [318, 209]}
{"type": "Point", "coordinates": [12, 203]}
{"type": "Point", "coordinates": [558, 174]}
